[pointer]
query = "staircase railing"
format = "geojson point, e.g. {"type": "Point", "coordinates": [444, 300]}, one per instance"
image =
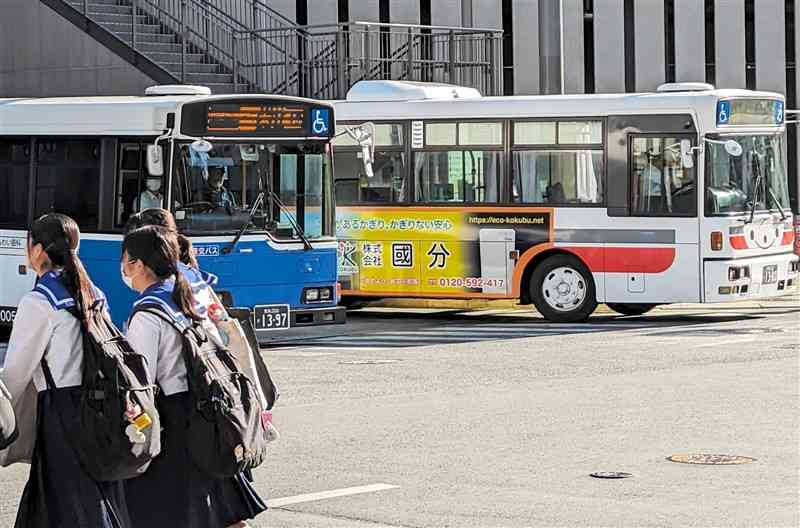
{"type": "Point", "coordinates": [266, 53]}
{"type": "Point", "coordinates": [329, 59]}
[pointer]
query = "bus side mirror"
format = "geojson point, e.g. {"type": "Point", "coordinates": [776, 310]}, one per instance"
{"type": "Point", "coordinates": [155, 161]}
{"type": "Point", "coordinates": [687, 154]}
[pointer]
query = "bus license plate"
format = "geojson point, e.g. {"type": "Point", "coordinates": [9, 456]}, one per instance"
{"type": "Point", "coordinates": [770, 274]}
{"type": "Point", "coordinates": [271, 317]}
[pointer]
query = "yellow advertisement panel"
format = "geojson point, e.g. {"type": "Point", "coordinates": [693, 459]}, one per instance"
{"type": "Point", "coordinates": [435, 251]}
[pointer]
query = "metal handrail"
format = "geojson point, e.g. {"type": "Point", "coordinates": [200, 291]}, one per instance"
{"type": "Point", "coordinates": [266, 52]}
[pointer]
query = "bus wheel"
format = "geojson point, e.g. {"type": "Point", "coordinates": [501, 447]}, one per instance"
{"type": "Point", "coordinates": [631, 308]}
{"type": "Point", "coordinates": [562, 289]}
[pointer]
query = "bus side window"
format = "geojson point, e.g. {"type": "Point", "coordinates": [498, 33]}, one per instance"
{"type": "Point", "coordinates": [463, 162]}
{"type": "Point", "coordinates": [14, 171]}
{"type": "Point", "coordinates": [558, 163]}
{"type": "Point", "coordinates": [68, 179]}
{"type": "Point", "coordinates": [387, 185]}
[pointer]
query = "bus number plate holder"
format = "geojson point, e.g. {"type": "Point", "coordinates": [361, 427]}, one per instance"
{"type": "Point", "coordinates": [271, 317]}
{"type": "Point", "coordinates": [770, 274]}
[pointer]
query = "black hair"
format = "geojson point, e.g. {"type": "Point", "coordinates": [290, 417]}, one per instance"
{"type": "Point", "coordinates": [163, 218]}
{"type": "Point", "coordinates": [60, 237]}
{"type": "Point", "coordinates": [157, 248]}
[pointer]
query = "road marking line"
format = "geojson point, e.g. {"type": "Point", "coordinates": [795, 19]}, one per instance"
{"type": "Point", "coordinates": [322, 495]}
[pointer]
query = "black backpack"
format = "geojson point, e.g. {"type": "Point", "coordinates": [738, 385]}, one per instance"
{"type": "Point", "coordinates": [8, 422]}
{"type": "Point", "coordinates": [119, 431]}
{"type": "Point", "coordinates": [227, 425]}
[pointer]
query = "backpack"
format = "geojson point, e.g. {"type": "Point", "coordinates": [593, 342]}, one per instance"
{"type": "Point", "coordinates": [119, 431]}
{"type": "Point", "coordinates": [229, 435]}
{"type": "Point", "coordinates": [8, 422]}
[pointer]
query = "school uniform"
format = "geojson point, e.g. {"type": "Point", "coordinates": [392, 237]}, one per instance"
{"type": "Point", "coordinates": [58, 493]}
{"type": "Point", "coordinates": [173, 492]}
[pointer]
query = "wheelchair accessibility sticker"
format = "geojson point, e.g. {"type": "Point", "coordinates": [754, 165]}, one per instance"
{"type": "Point", "coordinates": [320, 121]}
{"type": "Point", "coordinates": [723, 113]}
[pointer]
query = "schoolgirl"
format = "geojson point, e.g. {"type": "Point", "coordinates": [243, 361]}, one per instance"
{"type": "Point", "coordinates": [46, 347]}
{"type": "Point", "coordinates": [173, 492]}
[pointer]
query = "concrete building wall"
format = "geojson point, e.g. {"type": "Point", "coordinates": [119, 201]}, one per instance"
{"type": "Point", "coordinates": [41, 54]}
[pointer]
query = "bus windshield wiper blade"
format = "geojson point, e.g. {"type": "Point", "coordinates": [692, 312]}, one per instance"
{"type": "Point", "coordinates": [245, 225]}
{"type": "Point", "coordinates": [777, 203]}
{"type": "Point", "coordinates": [756, 186]}
{"type": "Point", "coordinates": [292, 220]}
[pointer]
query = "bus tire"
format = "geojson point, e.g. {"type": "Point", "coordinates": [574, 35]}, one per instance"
{"type": "Point", "coordinates": [562, 289]}
{"type": "Point", "coordinates": [631, 308]}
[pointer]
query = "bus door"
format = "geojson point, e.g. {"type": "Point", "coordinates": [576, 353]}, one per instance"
{"type": "Point", "coordinates": [652, 251]}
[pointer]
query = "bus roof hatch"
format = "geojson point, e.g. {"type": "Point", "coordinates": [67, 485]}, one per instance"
{"type": "Point", "coordinates": [408, 91]}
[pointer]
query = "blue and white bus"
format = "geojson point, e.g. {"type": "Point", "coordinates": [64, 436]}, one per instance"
{"type": "Point", "coordinates": [248, 178]}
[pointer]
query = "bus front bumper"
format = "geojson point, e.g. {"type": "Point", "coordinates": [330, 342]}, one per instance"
{"type": "Point", "coordinates": [318, 316]}
{"type": "Point", "coordinates": [750, 278]}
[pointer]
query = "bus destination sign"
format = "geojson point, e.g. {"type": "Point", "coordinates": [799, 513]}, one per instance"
{"type": "Point", "coordinates": [750, 112]}
{"type": "Point", "coordinates": [267, 118]}
{"type": "Point", "coordinates": [232, 118]}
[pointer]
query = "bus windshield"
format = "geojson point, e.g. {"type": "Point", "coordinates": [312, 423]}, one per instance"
{"type": "Point", "coordinates": [756, 179]}
{"type": "Point", "coordinates": [282, 189]}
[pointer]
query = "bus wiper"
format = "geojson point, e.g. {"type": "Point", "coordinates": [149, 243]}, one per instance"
{"type": "Point", "coordinates": [756, 187]}
{"type": "Point", "coordinates": [245, 225]}
{"type": "Point", "coordinates": [777, 204]}
{"type": "Point", "coordinates": [292, 220]}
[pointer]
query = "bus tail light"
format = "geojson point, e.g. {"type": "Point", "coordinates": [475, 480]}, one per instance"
{"type": "Point", "coordinates": [716, 241]}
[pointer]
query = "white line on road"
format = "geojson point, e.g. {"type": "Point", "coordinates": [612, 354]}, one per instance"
{"type": "Point", "coordinates": [322, 495]}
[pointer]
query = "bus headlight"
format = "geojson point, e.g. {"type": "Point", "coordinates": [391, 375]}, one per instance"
{"type": "Point", "coordinates": [312, 295]}
{"type": "Point", "coordinates": [315, 295]}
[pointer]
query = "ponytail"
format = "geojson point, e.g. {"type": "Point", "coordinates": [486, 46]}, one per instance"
{"type": "Point", "coordinates": [183, 297]}
{"type": "Point", "coordinates": [77, 282]}
{"type": "Point", "coordinates": [187, 252]}
{"type": "Point", "coordinates": [59, 236]}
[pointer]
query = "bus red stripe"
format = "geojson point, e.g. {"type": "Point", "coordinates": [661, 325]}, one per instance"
{"type": "Point", "coordinates": [738, 242]}
{"type": "Point", "coordinates": [625, 259]}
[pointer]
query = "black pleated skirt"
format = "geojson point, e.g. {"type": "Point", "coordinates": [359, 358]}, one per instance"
{"type": "Point", "coordinates": [173, 493]}
{"type": "Point", "coordinates": [59, 494]}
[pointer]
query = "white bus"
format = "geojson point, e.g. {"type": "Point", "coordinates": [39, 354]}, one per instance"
{"type": "Point", "coordinates": [564, 202]}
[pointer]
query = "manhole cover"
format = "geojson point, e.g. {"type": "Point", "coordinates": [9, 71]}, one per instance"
{"type": "Point", "coordinates": [610, 475]}
{"type": "Point", "coordinates": [711, 460]}
{"type": "Point", "coordinates": [369, 362]}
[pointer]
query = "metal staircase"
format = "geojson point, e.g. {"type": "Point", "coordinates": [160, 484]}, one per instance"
{"type": "Point", "coordinates": [243, 46]}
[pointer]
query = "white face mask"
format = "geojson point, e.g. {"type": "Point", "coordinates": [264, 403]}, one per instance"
{"type": "Point", "coordinates": [127, 280]}
{"type": "Point", "coordinates": [153, 185]}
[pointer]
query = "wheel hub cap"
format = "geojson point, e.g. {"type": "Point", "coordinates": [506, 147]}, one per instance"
{"type": "Point", "coordinates": [564, 289]}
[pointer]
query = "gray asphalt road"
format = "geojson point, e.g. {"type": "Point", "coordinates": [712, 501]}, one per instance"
{"type": "Point", "coordinates": [497, 419]}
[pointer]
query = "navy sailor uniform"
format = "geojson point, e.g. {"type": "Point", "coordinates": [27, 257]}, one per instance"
{"type": "Point", "coordinates": [58, 493]}
{"type": "Point", "coordinates": [173, 492]}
